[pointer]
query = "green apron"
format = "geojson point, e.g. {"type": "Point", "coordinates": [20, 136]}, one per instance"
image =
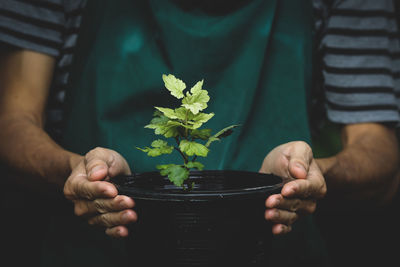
{"type": "Point", "coordinates": [255, 62]}
{"type": "Point", "coordinates": [255, 59]}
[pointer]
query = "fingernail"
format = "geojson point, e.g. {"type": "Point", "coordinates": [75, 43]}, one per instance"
{"type": "Point", "coordinates": [300, 166]}
{"type": "Point", "coordinates": [125, 216]}
{"type": "Point", "coordinates": [287, 191]}
{"type": "Point", "coordinates": [107, 192]}
{"type": "Point", "coordinates": [123, 204]}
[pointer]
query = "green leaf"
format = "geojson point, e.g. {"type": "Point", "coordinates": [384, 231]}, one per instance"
{"type": "Point", "coordinates": [197, 99]}
{"type": "Point", "coordinates": [167, 112]}
{"type": "Point", "coordinates": [223, 133]}
{"type": "Point", "coordinates": [179, 113]}
{"type": "Point", "coordinates": [166, 130]}
{"type": "Point", "coordinates": [180, 124]}
{"type": "Point", "coordinates": [191, 148]}
{"type": "Point", "coordinates": [202, 134]}
{"type": "Point", "coordinates": [182, 113]}
{"type": "Point", "coordinates": [160, 119]}
{"type": "Point", "coordinates": [210, 140]}
{"type": "Point", "coordinates": [177, 174]}
{"type": "Point", "coordinates": [159, 143]}
{"type": "Point", "coordinates": [169, 131]}
{"type": "Point", "coordinates": [194, 107]}
{"type": "Point", "coordinates": [202, 117]}
{"type": "Point", "coordinates": [197, 87]}
{"type": "Point", "coordinates": [164, 167]}
{"type": "Point", "coordinates": [159, 147]}
{"type": "Point", "coordinates": [161, 126]}
{"type": "Point", "coordinates": [157, 113]}
{"type": "Point", "coordinates": [194, 165]}
{"type": "Point", "coordinates": [152, 152]}
{"type": "Point", "coordinates": [174, 85]}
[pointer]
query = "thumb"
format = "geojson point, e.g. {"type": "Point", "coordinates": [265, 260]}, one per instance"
{"type": "Point", "coordinates": [300, 158]}
{"type": "Point", "coordinates": [102, 163]}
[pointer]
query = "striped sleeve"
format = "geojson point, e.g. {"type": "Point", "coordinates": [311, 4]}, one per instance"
{"type": "Point", "coordinates": [36, 25]}
{"type": "Point", "coordinates": [50, 27]}
{"type": "Point", "coordinates": [361, 62]}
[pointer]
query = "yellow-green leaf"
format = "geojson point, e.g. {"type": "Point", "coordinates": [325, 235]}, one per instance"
{"type": "Point", "coordinates": [167, 112]}
{"type": "Point", "coordinates": [177, 174]}
{"type": "Point", "coordinates": [222, 133]}
{"type": "Point", "coordinates": [197, 87]}
{"type": "Point", "coordinates": [159, 147]}
{"type": "Point", "coordinates": [191, 148]}
{"type": "Point", "coordinates": [202, 134]}
{"type": "Point", "coordinates": [167, 130]}
{"type": "Point", "coordinates": [197, 99]}
{"type": "Point", "coordinates": [174, 85]}
{"type": "Point", "coordinates": [194, 165]}
{"type": "Point", "coordinates": [202, 117]}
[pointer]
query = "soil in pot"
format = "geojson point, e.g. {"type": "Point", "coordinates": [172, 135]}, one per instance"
{"type": "Point", "coordinates": [220, 222]}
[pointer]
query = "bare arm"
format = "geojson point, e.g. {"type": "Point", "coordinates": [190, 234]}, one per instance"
{"type": "Point", "coordinates": [25, 78]}
{"type": "Point", "coordinates": [365, 169]}
{"type": "Point", "coordinates": [361, 175]}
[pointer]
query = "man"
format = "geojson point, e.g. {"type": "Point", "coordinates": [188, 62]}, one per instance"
{"type": "Point", "coordinates": [26, 74]}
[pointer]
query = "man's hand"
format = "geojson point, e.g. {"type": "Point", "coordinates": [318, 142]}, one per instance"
{"type": "Point", "coordinates": [305, 184]}
{"type": "Point", "coordinates": [96, 199]}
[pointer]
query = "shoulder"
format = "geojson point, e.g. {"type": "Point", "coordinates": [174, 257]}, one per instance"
{"type": "Point", "coordinates": [360, 61]}
{"type": "Point", "coordinates": [38, 25]}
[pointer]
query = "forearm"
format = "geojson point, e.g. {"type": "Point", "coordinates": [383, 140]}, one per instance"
{"type": "Point", "coordinates": [365, 170]}
{"type": "Point", "coordinates": [31, 156]}
{"type": "Point", "coordinates": [31, 153]}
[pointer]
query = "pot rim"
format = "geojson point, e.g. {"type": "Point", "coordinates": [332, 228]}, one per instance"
{"type": "Point", "coordinates": [169, 192]}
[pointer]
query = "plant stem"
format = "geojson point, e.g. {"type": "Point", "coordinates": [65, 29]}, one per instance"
{"type": "Point", "coordinates": [185, 160]}
{"type": "Point", "coordinates": [186, 129]}
{"type": "Point", "coordinates": [177, 140]}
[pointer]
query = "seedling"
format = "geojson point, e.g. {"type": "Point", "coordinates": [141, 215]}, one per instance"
{"type": "Point", "coordinates": [182, 125]}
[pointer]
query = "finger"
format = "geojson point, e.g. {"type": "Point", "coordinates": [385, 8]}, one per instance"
{"type": "Point", "coordinates": [103, 205]}
{"type": "Point", "coordinates": [101, 163]}
{"type": "Point", "coordinates": [118, 166]}
{"type": "Point", "coordinates": [273, 201]}
{"type": "Point", "coordinates": [290, 160]}
{"type": "Point", "coordinates": [92, 190]}
{"type": "Point", "coordinates": [112, 219]}
{"type": "Point", "coordinates": [96, 169]}
{"type": "Point", "coordinates": [302, 206]}
{"type": "Point", "coordinates": [281, 216]}
{"type": "Point", "coordinates": [117, 231]}
{"type": "Point", "coordinates": [96, 163]}
{"type": "Point", "coordinates": [279, 229]}
{"type": "Point", "coordinates": [300, 157]}
{"type": "Point", "coordinates": [276, 162]}
{"type": "Point", "coordinates": [312, 187]}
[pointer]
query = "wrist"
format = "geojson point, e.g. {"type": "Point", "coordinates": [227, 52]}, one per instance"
{"type": "Point", "coordinates": [326, 164]}
{"type": "Point", "coordinates": [74, 160]}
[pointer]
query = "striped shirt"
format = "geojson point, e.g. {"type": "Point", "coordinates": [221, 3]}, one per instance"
{"type": "Point", "coordinates": [361, 62]}
{"type": "Point", "coordinates": [358, 42]}
{"type": "Point", "coordinates": [49, 27]}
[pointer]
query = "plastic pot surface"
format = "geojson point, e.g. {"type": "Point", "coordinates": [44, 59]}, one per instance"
{"type": "Point", "coordinates": [220, 222]}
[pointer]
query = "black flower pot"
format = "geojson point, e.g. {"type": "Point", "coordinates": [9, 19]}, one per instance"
{"type": "Point", "coordinates": [220, 222]}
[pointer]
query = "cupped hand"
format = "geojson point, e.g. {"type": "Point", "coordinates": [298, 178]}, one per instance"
{"type": "Point", "coordinates": [94, 197]}
{"type": "Point", "coordinates": [304, 185]}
